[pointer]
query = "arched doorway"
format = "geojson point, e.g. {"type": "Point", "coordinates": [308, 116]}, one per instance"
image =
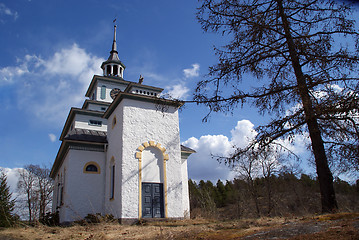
{"type": "Point", "coordinates": [152, 180]}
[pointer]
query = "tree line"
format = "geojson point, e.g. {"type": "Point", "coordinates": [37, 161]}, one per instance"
{"type": "Point", "coordinates": [281, 195]}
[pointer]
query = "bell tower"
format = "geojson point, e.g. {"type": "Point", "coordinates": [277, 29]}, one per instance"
{"type": "Point", "coordinates": [113, 66]}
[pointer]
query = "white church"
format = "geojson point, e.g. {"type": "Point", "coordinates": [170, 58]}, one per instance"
{"type": "Point", "coordinates": [121, 153]}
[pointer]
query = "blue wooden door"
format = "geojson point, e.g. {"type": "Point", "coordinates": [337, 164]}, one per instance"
{"type": "Point", "coordinates": [152, 200]}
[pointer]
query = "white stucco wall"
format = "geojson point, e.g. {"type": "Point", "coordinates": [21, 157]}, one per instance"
{"type": "Point", "coordinates": [86, 189]}
{"type": "Point", "coordinates": [185, 191]}
{"type": "Point", "coordinates": [142, 122]}
{"type": "Point", "coordinates": [61, 178]}
{"type": "Point", "coordinates": [114, 151]}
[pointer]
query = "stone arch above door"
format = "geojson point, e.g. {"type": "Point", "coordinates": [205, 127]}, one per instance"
{"type": "Point", "coordinates": [151, 144]}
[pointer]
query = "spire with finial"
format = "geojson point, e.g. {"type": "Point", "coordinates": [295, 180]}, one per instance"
{"type": "Point", "coordinates": [113, 66]}
{"type": "Point", "coordinates": [114, 46]}
{"type": "Point", "coordinates": [114, 53]}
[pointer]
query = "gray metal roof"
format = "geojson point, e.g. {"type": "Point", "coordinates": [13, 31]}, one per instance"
{"type": "Point", "coordinates": [78, 134]}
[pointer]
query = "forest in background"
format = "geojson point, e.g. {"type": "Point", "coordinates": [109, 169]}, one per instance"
{"type": "Point", "coordinates": [283, 195]}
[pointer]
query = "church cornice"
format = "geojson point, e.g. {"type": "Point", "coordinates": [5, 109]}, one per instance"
{"type": "Point", "coordinates": [118, 80]}
{"type": "Point", "coordinates": [88, 101]}
{"type": "Point", "coordinates": [139, 97]}
{"type": "Point", "coordinates": [142, 86]}
{"type": "Point", "coordinates": [110, 79]}
{"type": "Point", "coordinates": [114, 61]}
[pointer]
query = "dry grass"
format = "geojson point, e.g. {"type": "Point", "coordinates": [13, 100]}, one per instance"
{"type": "Point", "coordinates": [333, 226]}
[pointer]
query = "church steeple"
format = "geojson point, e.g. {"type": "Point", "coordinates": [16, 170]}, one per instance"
{"type": "Point", "coordinates": [114, 53]}
{"type": "Point", "coordinates": [113, 66]}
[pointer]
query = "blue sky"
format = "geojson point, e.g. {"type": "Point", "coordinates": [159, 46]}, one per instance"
{"type": "Point", "coordinates": [50, 50]}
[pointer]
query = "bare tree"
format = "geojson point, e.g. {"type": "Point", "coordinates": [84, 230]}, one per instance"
{"type": "Point", "coordinates": [248, 168]}
{"type": "Point", "coordinates": [45, 187]}
{"type": "Point", "coordinates": [270, 165]}
{"type": "Point", "coordinates": [36, 183]}
{"type": "Point", "coordinates": [26, 185]}
{"type": "Point", "coordinates": [306, 51]}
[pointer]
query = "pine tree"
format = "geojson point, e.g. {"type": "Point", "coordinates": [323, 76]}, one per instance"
{"type": "Point", "coordinates": [6, 203]}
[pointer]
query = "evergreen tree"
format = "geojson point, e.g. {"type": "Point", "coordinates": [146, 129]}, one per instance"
{"type": "Point", "coordinates": [6, 203]}
{"type": "Point", "coordinates": [220, 194]}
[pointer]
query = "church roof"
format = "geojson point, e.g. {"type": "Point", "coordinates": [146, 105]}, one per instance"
{"type": "Point", "coordinates": [78, 134]}
{"type": "Point", "coordinates": [87, 135]}
{"type": "Point", "coordinates": [187, 149]}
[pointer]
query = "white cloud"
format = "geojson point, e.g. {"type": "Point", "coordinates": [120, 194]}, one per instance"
{"type": "Point", "coordinates": [48, 87]}
{"type": "Point", "coordinates": [243, 133]}
{"type": "Point", "coordinates": [12, 175]}
{"type": "Point", "coordinates": [191, 72]}
{"type": "Point", "coordinates": [7, 11]}
{"type": "Point", "coordinates": [178, 91]}
{"type": "Point", "coordinates": [8, 75]}
{"type": "Point", "coordinates": [52, 137]}
{"type": "Point", "coordinates": [70, 61]}
{"type": "Point", "coordinates": [201, 165]}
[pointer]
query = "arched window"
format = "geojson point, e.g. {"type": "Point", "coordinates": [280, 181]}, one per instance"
{"type": "Point", "coordinates": [91, 167]}
{"type": "Point", "coordinates": [114, 121]}
{"type": "Point", "coordinates": [115, 70]}
{"type": "Point", "coordinates": [112, 178]}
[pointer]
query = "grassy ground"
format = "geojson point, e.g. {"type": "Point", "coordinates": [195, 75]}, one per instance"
{"type": "Point", "coordinates": [333, 226]}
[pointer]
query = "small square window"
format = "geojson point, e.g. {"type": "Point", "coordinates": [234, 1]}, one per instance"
{"type": "Point", "coordinates": [95, 123]}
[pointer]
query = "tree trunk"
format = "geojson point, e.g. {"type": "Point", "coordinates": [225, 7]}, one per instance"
{"type": "Point", "coordinates": [328, 200]}
{"type": "Point", "coordinates": [269, 195]}
{"type": "Point", "coordinates": [254, 194]}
